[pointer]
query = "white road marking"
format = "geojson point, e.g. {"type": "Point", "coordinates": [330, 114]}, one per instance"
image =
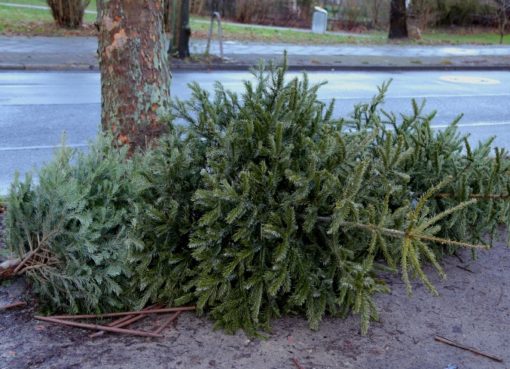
{"type": "Point", "coordinates": [42, 147]}
{"type": "Point", "coordinates": [470, 80]}
{"type": "Point", "coordinates": [475, 124]}
{"type": "Point", "coordinates": [410, 97]}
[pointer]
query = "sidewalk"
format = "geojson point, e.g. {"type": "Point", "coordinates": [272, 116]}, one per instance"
{"type": "Point", "coordinates": [79, 53]}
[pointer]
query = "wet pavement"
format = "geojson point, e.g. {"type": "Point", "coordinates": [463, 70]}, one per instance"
{"type": "Point", "coordinates": [67, 45]}
{"type": "Point", "coordinates": [36, 108]}
{"type": "Point", "coordinates": [61, 53]}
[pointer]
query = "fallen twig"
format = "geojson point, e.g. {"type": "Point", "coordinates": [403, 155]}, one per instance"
{"type": "Point", "coordinates": [467, 348]}
{"type": "Point", "coordinates": [167, 322]}
{"type": "Point", "coordinates": [98, 327]}
{"type": "Point", "coordinates": [296, 363]}
{"type": "Point", "coordinates": [13, 305]}
{"type": "Point", "coordinates": [464, 268]}
{"type": "Point", "coordinates": [125, 321]}
{"type": "Point", "coordinates": [112, 315]}
{"type": "Point", "coordinates": [26, 259]}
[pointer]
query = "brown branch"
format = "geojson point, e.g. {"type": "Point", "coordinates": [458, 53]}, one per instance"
{"type": "Point", "coordinates": [112, 315]}
{"type": "Point", "coordinates": [125, 321]}
{"type": "Point", "coordinates": [26, 259]}
{"type": "Point", "coordinates": [296, 363]}
{"type": "Point", "coordinates": [98, 327]}
{"type": "Point", "coordinates": [13, 305]}
{"type": "Point", "coordinates": [167, 322]}
{"type": "Point", "coordinates": [467, 348]}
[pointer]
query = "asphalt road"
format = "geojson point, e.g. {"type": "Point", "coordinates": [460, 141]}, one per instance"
{"type": "Point", "coordinates": [37, 108]}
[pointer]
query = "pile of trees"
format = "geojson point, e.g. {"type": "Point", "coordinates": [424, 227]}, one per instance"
{"type": "Point", "coordinates": [262, 204]}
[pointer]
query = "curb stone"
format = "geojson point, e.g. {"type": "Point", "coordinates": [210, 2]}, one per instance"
{"type": "Point", "coordinates": [195, 67]}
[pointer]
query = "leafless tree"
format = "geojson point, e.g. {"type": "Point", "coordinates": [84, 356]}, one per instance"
{"type": "Point", "coordinates": [68, 13]}
{"type": "Point", "coordinates": [502, 14]}
{"type": "Point", "coordinates": [398, 19]}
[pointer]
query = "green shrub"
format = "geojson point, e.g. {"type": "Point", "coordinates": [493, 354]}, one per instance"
{"type": "Point", "coordinates": [70, 226]}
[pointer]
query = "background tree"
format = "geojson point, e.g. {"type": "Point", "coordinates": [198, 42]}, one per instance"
{"type": "Point", "coordinates": [177, 23]}
{"type": "Point", "coordinates": [135, 78]}
{"type": "Point", "coordinates": [502, 9]}
{"type": "Point", "coordinates": [398, 19]}
{"type": "Point", "coordinates": [68, 13]}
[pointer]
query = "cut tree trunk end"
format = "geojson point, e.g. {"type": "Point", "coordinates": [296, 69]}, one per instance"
{"type": "Point", "coordinates": [398, 20]}
{"type": "Point", "coordinates": [135, 78]}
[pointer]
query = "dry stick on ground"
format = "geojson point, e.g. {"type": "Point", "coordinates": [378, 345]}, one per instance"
{"type": "Point", "coordinates": [167, 322]}
{"type": "Point", "coordinates": [464, 268]}
{"type": "Point", "coordinates": [125, 321]}
{"type": "Point", "coordinates": [296, 363]}
{"type": "Point", "coordinates": [13, 305]}
{"type": "Point", "coordinates": [112, 315]}
{"type": "Point", "coordinates": [467, 348]}
{"type": "Point", "coordinates": [98, 327]}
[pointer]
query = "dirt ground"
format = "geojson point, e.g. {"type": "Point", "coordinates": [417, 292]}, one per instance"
{"type": "Point", "coordinates": [473, 308]}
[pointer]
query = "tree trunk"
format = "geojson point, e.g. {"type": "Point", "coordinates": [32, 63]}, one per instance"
{"type": "Point", "coordinates": [68, 13]}
{"type": "Point", "coordinates": [135, 78]}
{"type": "Point", "coordinates": [398, 19]}
{"type": "Point", "coordinates": [185, 33]}
{"type": "Point", "coordinates": [182, 30]}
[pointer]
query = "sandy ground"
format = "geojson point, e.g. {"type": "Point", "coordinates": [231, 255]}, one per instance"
{"type": "Point", "coordinates": [473, 308]}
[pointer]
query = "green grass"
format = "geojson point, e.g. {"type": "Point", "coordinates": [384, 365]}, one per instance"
{"type": "Point", "coordinates": [245, 33]}
{"type": "Point", "coordinates": [92, 5]}
{"type": "Point", "coordinates": [31, 21]}
{"type": "Point", "coordinates": [482, 38]}
{"type": "Point", "coordinates": [39, 22]}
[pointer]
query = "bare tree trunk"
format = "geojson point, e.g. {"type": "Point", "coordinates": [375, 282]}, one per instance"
{"type": "Point", "coordinates": [185, 32]}
{"type": "Point", "coordinates": [398, 19]}
{"type": "Point", "coordinates": [135, 78]}
{"type": "Point", "coordinates": [502, 8]}
{"type": "Point", "coordinates": [182, 30]}
{"type": "Point", "coordinates": [68, 13]}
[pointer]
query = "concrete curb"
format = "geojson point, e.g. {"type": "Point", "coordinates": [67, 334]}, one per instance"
{"type": "Point", "coordinates": [47, 67]}
{"type": "Point", "coordinates": [196, 67]}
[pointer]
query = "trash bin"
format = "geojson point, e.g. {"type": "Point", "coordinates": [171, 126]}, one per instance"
{"type": "Point", "coordinates": [319, 20]}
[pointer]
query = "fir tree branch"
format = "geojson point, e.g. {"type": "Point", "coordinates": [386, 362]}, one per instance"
{"type": "Point", "coordinates": [409, 235]}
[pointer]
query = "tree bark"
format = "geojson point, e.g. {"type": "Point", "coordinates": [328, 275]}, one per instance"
{"type": "Point", "coordinates": [68, 13]}
{"type": "Point", "coordinates": [185, 32]}
{"type": "Point", "coordinates": [398, 19]}
{"type": "Point", "coordinates": [182, 30]}
{"type": "Point", "coordinates": [135, 78]}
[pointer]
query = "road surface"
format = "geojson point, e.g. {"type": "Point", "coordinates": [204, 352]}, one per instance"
{"type": "Point", "coordinates": [36, 108]}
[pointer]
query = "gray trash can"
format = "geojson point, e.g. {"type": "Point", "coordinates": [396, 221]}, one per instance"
{"type": "Point", "coordinates": [319, 20]}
